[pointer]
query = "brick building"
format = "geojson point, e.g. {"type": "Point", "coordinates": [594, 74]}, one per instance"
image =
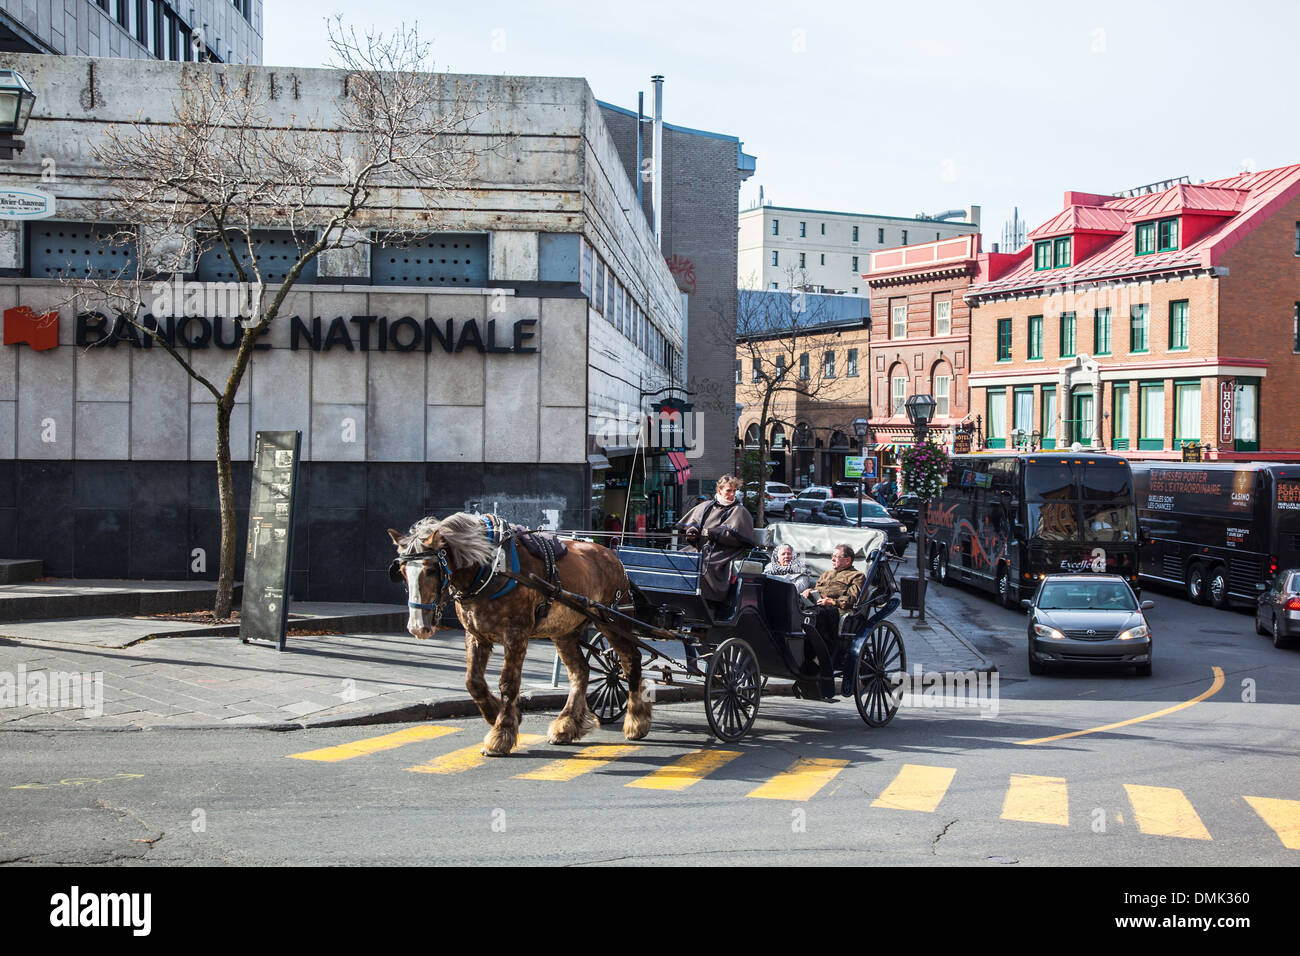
{"type": "Point", "coordinates": [817, 344]}
{"type": "Point", "coordinates": [921, 335]}
{"type": "Point", "coordinates": [1143, 322]}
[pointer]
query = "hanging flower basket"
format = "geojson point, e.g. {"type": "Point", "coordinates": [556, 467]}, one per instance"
{"type": "Point", "coordinates": [925, 469]}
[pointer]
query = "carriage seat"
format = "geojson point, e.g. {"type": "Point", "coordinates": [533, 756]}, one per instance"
{"type": "Point", "coordinates": [672, 579]}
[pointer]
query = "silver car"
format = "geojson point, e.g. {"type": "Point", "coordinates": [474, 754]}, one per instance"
{"type": "Point", "coordinates": [1087, 619]}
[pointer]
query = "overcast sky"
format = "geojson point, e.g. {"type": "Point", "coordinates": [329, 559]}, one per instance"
{"type": "Point", "coordinates": [903, 107]}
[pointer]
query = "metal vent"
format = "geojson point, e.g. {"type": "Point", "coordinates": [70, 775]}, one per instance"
{"type": "Point", "coordinates": [442, 260]}
{"type": "Point", "coordinates": [277, 251]}
{"type": "Point", "coordinates": [65, 249]}
{"type": "Point", "coordinates": [1244, 573]}
{"type": "Point", "coordinates": [1172, 566]}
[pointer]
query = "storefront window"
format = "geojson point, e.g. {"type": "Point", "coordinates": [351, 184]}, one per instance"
{"type": "Point", "coordinates": [1049, 418]}
{"type": "Point", "coordinates": [997, 405]}
{"type": "Point", "coordinates": [1187, 411]}
{"type": "Point", "coordinates": [1245, 416]}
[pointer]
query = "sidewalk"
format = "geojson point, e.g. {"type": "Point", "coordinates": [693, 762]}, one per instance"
{"type": "Point", "coordinates": [110, 675]}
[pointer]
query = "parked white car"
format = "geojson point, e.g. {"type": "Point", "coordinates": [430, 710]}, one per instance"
{"type": "Point", "coordinates": [774, 500]}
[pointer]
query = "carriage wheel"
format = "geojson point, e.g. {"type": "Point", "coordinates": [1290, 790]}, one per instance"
{"type": "Point", "coordinates": [878, 675]}
{"type": "Point", "coordinates": [732, 688]}
{"type": "Point", "coordinates": [606, 687]}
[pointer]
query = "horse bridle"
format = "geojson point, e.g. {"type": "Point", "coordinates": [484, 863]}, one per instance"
{"type": "Point", "coordinates": [445, 587]}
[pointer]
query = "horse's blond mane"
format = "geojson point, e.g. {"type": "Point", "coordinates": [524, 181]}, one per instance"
{"type": "Point", "coordinates": [462, 534]}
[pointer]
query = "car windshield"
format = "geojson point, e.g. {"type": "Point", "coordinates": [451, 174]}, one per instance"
{"type": "Point", "coordinates": [870, 509]}
{"type": "Point", "coordinates": [1086, 596]}
{"type": "Point", "coordinates": [775, 489]}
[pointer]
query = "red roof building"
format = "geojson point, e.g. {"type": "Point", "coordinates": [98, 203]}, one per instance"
{"type": "Point", "coordinates": [1144, 323]}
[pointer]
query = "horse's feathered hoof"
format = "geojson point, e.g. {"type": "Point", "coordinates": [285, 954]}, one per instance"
{"type": "Point", "coordinates": [565, 729]}
{"type": "Point", "coordinates": [499, 743]}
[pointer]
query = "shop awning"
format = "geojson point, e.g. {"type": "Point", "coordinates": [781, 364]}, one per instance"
{"type": "Point", "coordinates": [680, 466]}
{"type": "Point", "coordinates": [598, 462]}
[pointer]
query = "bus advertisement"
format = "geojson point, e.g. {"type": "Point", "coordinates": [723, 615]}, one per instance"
{"type": "Point", "coordinates": [1003, 522]}
{"type": "Point", "coordinates": [1218, 530]}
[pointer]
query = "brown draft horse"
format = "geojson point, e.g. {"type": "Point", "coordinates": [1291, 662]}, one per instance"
{"type": "Point", "coordinates": [511, 621]}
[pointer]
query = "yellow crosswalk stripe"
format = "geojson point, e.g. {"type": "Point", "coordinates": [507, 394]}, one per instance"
{"type": "Point", "coordinates": [1034, 799]}
{"type": "Point", "coordinates": [467, 758]}
{"type": "Point", "coordinates": [1165, 811]}
{"type": "Point", "coordinates": [1282, 816]}
{"type": "Point", "coordinates": [801, 780]}
{"type": "Point", "coordinates": [584, 761]}
{"type": "Point", "coordinates": [916, 787]}
{"type": "Point", "coordinates": [370, 745]}
{"type": "Point", "coordinates": [685, 771]}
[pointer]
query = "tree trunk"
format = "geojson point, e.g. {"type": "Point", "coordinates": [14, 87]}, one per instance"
{"type": "Point", "coordinates": [226, 494]}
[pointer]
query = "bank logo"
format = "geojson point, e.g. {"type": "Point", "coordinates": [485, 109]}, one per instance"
{"type": "Point", "coordinates": [40, 332]}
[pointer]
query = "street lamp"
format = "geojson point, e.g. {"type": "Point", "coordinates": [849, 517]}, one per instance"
{"type": "Point", "coordinates": [920, 410]}
{"type": "Point", "coordinates": [860, 426]}
{"type": "Point", "coordinates": [16, 100]}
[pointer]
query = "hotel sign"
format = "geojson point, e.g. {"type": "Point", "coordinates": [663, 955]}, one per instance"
{"type": "Point", "coordinates": [1225, 412]}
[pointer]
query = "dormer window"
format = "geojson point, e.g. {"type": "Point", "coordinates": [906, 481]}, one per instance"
{"type": "Point", "coordinates": [1156, 236]}
{"type": "Point", "coordinates": [1052, 253]}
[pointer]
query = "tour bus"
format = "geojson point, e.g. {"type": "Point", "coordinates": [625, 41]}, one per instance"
{"type": "Point", "coordinates": [1003, 522]}
{"type": "Point", "coordinates": [1218, 530]}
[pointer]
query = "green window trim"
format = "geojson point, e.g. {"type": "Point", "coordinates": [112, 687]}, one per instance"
{"type": "Point", "coordinates": [990, 396]}
{"type": "Point", "coordinates": [1061, 249]}
{"type": "Point", "coordinates": [1144, 238]}
{"type": "Point", "coordinates": [1119, 420]}
{"type": "Point", "coordinates": [1178, 326]}
{"type": "Point", "coordinates": [1154, 442]}
{"type": "Point", "coordinates": [1042, 255]}
{"type": "Point", "coordinates": [1047, 441]}
{"type": "Point", "coordinates": [1101, 328]}
{"type": "Point", "coordinates": [1181, 387]}
{"type": "Point", "coordinates": [1004, 340]}
{"type": "Point", "coordinates": [1068, 327]}
{"type": "Point", "coordinates": [1167, 235]}
{"type": "Point", "coordinates": [1139, 332]}
{"type": "Point", "coordinates": [1035, 338]}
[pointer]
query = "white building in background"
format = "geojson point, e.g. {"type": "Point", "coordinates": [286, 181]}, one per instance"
{"type": "Point", "coordinates": [830, 249]}
{"type": "Point", "coordinates": [227, 31]}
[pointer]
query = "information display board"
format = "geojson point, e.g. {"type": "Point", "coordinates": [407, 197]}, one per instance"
{"type": "Point", "coordinates": [264, 613]}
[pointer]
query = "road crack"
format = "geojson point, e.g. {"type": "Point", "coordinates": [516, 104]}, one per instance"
{"type": "Point", "coordinates": [934, 844]}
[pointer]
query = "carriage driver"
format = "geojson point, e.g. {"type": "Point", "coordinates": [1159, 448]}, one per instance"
{"type": "Point", "coordinates": [722, 528]}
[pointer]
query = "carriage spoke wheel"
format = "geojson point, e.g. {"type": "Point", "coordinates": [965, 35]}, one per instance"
{"type": "Point", "coordinates": [732, 688]}
{"type": "Point", "coordinates": [606, 686]}
{"type": "Point", "coordinates": [878, 673]}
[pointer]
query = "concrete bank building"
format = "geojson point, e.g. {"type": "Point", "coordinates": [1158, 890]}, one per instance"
{"type": "Point", "coordinates": [545, 275]}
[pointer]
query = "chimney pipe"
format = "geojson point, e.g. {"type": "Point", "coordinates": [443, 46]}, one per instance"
{"type": "Point", "coordinates": [658, 81]}
{"type": "Point", "coordinates": [640, 146]}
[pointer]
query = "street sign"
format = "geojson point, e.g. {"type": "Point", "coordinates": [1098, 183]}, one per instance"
{"type": "Point", "coordinates": [961, 443]}
{"type": "Point", "coordinates": [22, 202]}
{"type": "Point", "coordinates": [264, 612]}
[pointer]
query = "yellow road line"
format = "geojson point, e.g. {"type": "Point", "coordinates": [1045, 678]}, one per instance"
{"type": "Point", "coordinates": [1214, 688]}
{"type": "Point", "coordinates": [1037, 800]}
{"type": "Point", "coordinates": [686, 771]}
{"type": "Point", "coordinates": [801, 780]}
{"type": "Point", "coordinates": [1165, 811]}
{"type": "Point", "coordinates": [1282, 816]}
{"type": "Point", "coordinates": [467, 758]}
{"type": "Point", "coordinates": [584, 761]}
{"type": "Point", "coordinates": [917, 788]}
{"type": "Point", "coordinates": [372, 745]}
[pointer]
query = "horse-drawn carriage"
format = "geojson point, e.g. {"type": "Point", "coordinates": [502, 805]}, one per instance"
{"type": "Point", "coordinates": [760, 630]}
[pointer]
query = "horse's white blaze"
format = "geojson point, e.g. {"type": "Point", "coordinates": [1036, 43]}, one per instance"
{"type": "Point", "coordinates": [416, 617]}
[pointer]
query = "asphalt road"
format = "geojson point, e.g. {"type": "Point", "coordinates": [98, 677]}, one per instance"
{"type": "Point", "coordinates": [1213, 783]}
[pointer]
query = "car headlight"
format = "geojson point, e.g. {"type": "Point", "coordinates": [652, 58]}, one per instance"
{"type": "Point", "coordinates": [902, 527]}
{"type": "Point", "coordinates": [1043, 630]}
{"type": "Point", "coordinates": [1135, 633]}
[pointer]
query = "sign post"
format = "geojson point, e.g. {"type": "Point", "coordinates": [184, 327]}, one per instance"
{"type": "Point", "coordinates": [264, 613]}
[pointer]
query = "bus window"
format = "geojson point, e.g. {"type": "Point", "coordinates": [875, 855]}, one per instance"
{"type": "Point", "coordinates": [1053, 521]}
{"type": "Point", "coordinates": [1108, 522]}
{"type": "Point", "coordinates": [1050, 482]}
{"type": "Point", "coordinates": [1106, 482]}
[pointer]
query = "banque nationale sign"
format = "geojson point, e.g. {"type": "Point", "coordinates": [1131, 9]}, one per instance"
{"type": "Point", "coordinates": [360, 333]}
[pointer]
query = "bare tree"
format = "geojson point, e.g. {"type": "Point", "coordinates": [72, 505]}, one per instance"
{"type": "Point", "coordinates": [775, 330]}
{"type": "Point", "coordinates": [228, 162]}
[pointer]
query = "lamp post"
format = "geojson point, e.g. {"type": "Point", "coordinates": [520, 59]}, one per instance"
{"type": "Point", "coordinates": [920, 410]}
{"type": "Point", "coordinates": [16, 100]}
{"type": "Point", "coordinates": [860, 426]}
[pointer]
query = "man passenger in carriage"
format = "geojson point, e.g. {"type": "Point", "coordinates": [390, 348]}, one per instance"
{"type": "Point", "coordinates": [723, 530]}
{"type": "Point", "coordinates": [836, 593]}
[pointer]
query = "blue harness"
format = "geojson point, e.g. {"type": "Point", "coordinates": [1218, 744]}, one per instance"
{"type": "Point", "coordinates": [506, 555]}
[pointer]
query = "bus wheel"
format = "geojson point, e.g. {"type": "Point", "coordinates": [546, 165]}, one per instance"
{"type": "Point", "coordinates": [1217, 589]}
{"type": "Point", "coordinates": [1196, 584]}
